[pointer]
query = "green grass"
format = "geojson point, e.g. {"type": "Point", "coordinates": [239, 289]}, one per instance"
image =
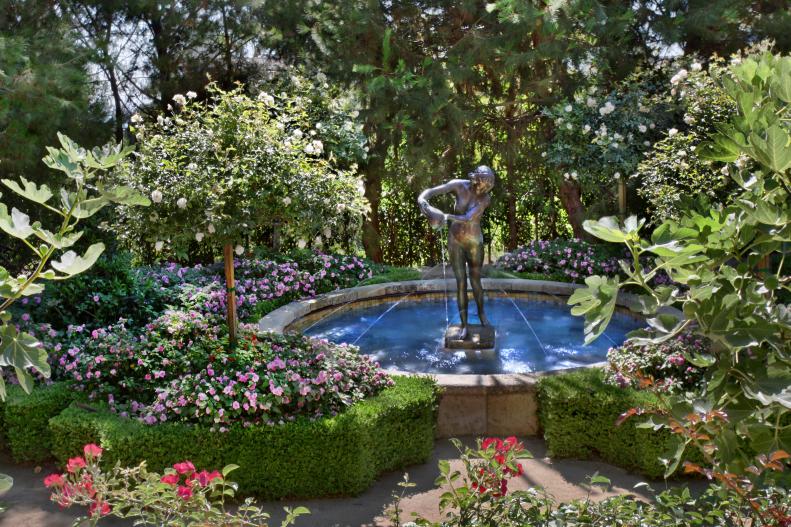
{"type": "Point", "coordinates": [393, 274]}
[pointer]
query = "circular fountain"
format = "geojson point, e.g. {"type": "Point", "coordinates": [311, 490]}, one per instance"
{"type": "Point", "coordinates": [486, 390]}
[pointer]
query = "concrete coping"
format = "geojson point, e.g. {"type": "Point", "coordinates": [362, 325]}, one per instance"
{"type": "Point", "coordinates": [284, 318]}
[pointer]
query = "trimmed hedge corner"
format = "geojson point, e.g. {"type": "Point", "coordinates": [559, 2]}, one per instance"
{"type": "Point", "coordinates": [25, 419]}
{"type": "Point", "coordinates": [578, 412]}
{"type": "Point", "coordinates": [335, 456]}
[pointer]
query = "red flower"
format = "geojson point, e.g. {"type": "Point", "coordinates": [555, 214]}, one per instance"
{"type": "Point", "coordinates": [204, 477]}
{"type": "Point", "coordinates": [75, 464]}
{"type": "Point", "coordinates": [99, 509]}
{"type": "Point", "coordinates": [489, 441]}
{"type": "Point", "coordinates": [185, 467]}
{"type": "Point", "coordinates": [92, 451]}
{"type": "Point", "coordinates": [184, 492]}
{"type": "Point", "coordinates": [170, 479]}
{"type": "Point", "coordinates": [54, 480]}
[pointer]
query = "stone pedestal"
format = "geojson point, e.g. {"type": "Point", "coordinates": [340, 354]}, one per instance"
{"type": "Point", "coordinates": [478, 337]}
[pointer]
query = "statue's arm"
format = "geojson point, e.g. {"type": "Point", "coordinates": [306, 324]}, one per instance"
{"type": "Point", "coordinates": [436, 217]}
{"type": "Point", "coordinates": [473, 214]}
{"type": "Point", "coordinates": [445, 188]}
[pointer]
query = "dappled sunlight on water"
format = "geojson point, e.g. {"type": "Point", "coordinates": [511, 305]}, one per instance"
{"type": "Point", "coordinates": [410, 336]}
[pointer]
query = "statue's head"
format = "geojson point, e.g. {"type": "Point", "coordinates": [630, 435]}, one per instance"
{"type": "Point", "coordinates": [482, 179]}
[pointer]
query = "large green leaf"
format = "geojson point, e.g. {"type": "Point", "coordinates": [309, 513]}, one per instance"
{"type": "Point", "coordinates": [6, 482]}
{"type": "Point", "coordinates": [22, 351]}
{"type": "Point", "coordinates": [71, 263]}
{"type": "Point", "coordinates": [597, 303]}
{"type": "Point", "coordinates": [774, 151]}
{"type": "Point", "coordinates": [781, 81]}
{"type": "Point", "coordinates": [17, 224]}
{"type": "Point", "coordinates": [30, 190]}
{"type": "Point", "coordinates": [607, 229]}
{"type": "Point", "coordinates": [89, 207]}
{"type": "Point", "coordinates": [57, 240]}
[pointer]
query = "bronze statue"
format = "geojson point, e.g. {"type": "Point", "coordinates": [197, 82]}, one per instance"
{"type": "Point", "coordinates": [465, 240]}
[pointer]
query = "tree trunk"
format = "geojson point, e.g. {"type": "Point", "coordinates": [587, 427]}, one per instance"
{"type": "Point", "coordinates": [570, 195]}
{"type": "Point", "coordinates": [230, 287]}
{"type": "Point", "coordinates": [374, 172]}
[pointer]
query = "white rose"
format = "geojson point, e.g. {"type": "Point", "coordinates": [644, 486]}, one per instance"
{"type": "Point", "coordinates": [179, 99]}
{"type": "Point", "coordinates": [211, 228]}
{"type": "Point", "coordinates": [182, 203]}
{"type": "Point", "coordinates": [199, 236]}
{"type": "Point", "coordinates": [159, 245]}
{"type": "Point", "coordinates": [136, 118]}
{"type": "Point", "coordinates": [327, 232]}
{"type": "Point", "coordinates": [309, 149]}
{"type": "Point", "coordinates": [646, 143]}
{"type": "Point", "coordinates": [689, 119]}
{"type": "Point", "coordinates": [696, 66]}
{"type": "Point", "coordinates": [652, 126]}
{"type": "Point", "coordinates": [191, 95]}
{"type": "Point", "coordinates": [679, 76]}
{"type": "Point", "coordinates": [567, 108]}
{"type": "Point", "coordinates": [591, 102]}
{"type": "Point", "coordinates": [266, 98]}
{"type": "Point", "coordinates": [617, 175]}
{"type": "Point", "coordinates": [318, 146]}
{"type": "Point", "coordinates": [569, 127]}
{"type": "Point", "coordinates": [239, 250]}
{"type": "Point", "coordinates": [672, 132]}
{"type": "Point", "coordinates": [301, 243]}
{"type": "Point", "coordinates": [156, 196]}
{"type": "Point", "coordinates": [643, 128]}
{"type": "Point", "coordinates": [297, 133]}
{"type": "Point", "coordinates": [317, 241]}
{"type": "Point", "coordinates": [286, 201]}
{"type": "Point", "coordinates": [586, 128]}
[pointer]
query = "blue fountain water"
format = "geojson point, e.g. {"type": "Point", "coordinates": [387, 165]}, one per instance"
{"type": "Point", "coordinates": [408, 336]}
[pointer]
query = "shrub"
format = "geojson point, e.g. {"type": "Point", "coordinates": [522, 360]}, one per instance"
{"type": "Point", "coordinates": [664, 366]}
{"type": "Point", "coordinates": [338, 455]}
{"type": "Point", "coordinates": [110, 289]}
{"type": "Point", "coordinates": [26, 419]}
{"type": "Point", "coordinates": [571, 259]}
{"type": "Point", "coordinates": [182, 370]}
{"type": "Point", "coordinates": [578, 413]}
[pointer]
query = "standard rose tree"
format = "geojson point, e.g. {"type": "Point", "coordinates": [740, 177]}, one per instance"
{"type": "Point", "coordinates": [219, 170]}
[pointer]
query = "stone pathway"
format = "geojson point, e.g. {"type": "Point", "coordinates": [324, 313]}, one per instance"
{"type": "Point", "coordinates": [28, 502]}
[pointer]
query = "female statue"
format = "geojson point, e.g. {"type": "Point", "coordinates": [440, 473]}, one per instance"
{"type": "Point", "coordinates": [465, 240]}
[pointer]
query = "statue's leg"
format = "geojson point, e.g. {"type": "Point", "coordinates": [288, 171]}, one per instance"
{"type": "Point", "coordinates": [459, 264]}
{"type": "Point", "coordinates": [476, 267]}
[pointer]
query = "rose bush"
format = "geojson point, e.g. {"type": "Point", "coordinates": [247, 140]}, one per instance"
{"type": "Point", "coordinates": [182, 496]}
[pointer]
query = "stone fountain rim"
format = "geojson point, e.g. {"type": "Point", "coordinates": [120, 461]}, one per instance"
{"type": "Point", "coordinates": [280, 319]}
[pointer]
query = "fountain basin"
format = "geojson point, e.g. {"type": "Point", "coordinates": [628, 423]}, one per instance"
{"type": "Point", "coordinates": [473, 403]}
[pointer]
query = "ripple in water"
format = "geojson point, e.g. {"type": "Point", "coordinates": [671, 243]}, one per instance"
{"type": "Point", "coordinates": [410, 336]}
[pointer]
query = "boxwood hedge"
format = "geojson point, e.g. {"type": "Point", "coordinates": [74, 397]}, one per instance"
{"type": "Point", "coordinates": [24, 419]}
{"type": "Point", "coordinates": [578, 412]}
{"type": "Point", "coordinates": [334, 456]}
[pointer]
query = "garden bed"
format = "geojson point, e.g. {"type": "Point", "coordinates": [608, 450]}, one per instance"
{"type": "Point", "coordinates": [334, 456]}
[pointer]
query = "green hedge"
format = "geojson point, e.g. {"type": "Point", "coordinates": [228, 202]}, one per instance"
{"type": "Point", "coordinates": [25, 419]}
{"type": "Point", "coordinates": [335, 456]}
{"type": "Point", "coordinates": [578, 411]}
